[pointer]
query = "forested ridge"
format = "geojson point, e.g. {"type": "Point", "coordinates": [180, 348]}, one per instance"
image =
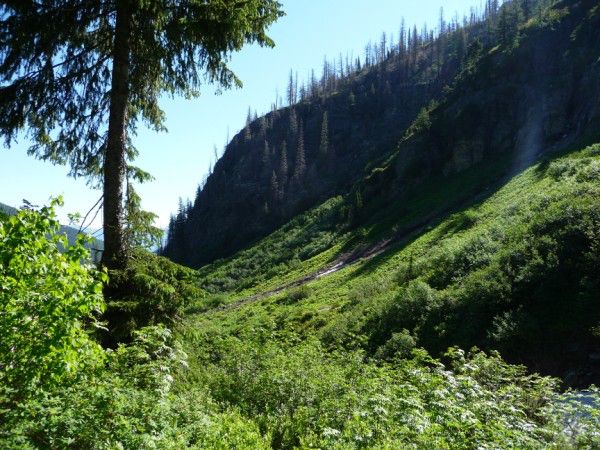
{"type": "Point", "coordinates": [337, 127]}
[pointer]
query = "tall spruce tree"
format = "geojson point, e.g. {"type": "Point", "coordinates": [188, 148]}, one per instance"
{"type": "Point", "coordinates": [300, 162]}
{"type": "Point", "coordinates": [324, 144]}
{"type": "Point", "coordinates": [283, 166]}
{"type": "Point", "coordinates": [79, 75]}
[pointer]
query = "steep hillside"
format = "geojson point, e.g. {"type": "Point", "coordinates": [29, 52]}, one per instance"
{"type": "Point", "coordinates": [8, 210]}
{"type": "Point", "coordinates": [338, 362]}
{"type": "Point", "coordinates": [498, 91]}
{"type": "Point", "coordinates": [509, 105]}
{"type": "Point", "coordinates": [518, 264]}
{"type": "Point", "coordinates": [293, 158]}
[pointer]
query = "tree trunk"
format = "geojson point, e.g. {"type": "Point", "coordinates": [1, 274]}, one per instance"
{"type": "Point", "coordinates": [114, 159]}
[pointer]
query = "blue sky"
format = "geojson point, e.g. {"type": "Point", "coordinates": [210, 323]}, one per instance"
{"type": "Point", "coordinates": [180, 158]}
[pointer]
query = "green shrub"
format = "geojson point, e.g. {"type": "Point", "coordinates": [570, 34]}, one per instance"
{"type": "Point", "coordinates": [302, 396]}
{"type": "Point", "coordinates": [46, 298]}
{"type": "Point", "coordinates": [399, 345]}
{"type": "Point", "coordinates": [151, 290]}
{"type": "Point", "coordinates": [59, 388]}
{"type": "Point", "coordinates": [298, 294]}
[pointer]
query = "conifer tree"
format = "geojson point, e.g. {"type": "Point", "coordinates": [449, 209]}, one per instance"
{"type": "Point", "coordinates": [265, 159]}
{"type": "Point", "coordinates": [293, 123]}
{"type": "Point", "coordinates": [402, 39]}
{"type": "Point", "coordinates": [291, 89]}
{"type": "Point", "coordinates": [274, 188]}
{"type": "Point", "coordinates": [509, 18]}
{"type": "Point", "coordinates": [283, 165]}
{"type": "Point", "coordinates": [324, 144]}
{"type": "Point", "coordinates": [383, 47]}
{"type": "Point", "coordinates": [79, 75]}
{"type": "Point", "coordinates": [300, 162]}
{"type": "Point", "coordinates": [314, 87]}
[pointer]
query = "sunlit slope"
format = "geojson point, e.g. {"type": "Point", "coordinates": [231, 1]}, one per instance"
{"type": "Point", "coordinates": [516, 272]}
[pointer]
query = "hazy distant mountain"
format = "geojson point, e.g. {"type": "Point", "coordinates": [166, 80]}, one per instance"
{"type": "Point", "coordinates": [7, 209]}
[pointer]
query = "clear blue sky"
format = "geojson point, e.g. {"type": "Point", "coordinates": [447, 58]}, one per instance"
{"type": "Point", "coordinates": [180, 158]}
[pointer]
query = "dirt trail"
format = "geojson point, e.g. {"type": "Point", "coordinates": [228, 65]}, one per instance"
{"type": "Point", "coordinates": [344, 260]}
{"type": "Point", "coordinates": [339, 263]}
{"type": "Point", "coordinates": [369, 252]}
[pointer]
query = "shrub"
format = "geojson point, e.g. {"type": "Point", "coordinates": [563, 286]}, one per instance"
{"type": "Point", "coordinates": [151, 290]}
{"type": "Point", "coordinates": [46, 297]}
{"type": "Point", "coordinates": [399, 345]}
{"type": "Point", "coordinates": [297, 294]}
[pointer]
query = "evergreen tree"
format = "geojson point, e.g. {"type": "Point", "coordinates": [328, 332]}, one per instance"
{"type": "Point", "coordinates": [79, 76]}
{"type": "Point", "coordinates": [314, 86]}
{"type": "Point", "coordinates": [415, 45]}
{"type": "Point", "coordinates": [383, 47]}
{"type": "Point", "coordinates": [509, 18]}
{"type": "Point", "coordinates": [368, 55]}
{"type": "Point", "coordinates": [274, 188]}
{"type": "Point", "coordinates": [266, 158]}
{"type": "Point", "coordinates": [291, 94]}
{"type": "Point", "coordinates": [300, 162]}
{"type": "Point", "coordinates": [324, 144]}
{"type": "Point", "coordinates": [402, 39]}
{"type": "Point", "coordinates": [526, 7]}
{"type": "Point", "coordinates": [293, 123]}
{"type": "Point", "coordinates": [283, 165]}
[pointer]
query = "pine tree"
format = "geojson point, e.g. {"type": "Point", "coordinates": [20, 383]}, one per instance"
{"type": "Point", "coordinates": [368, 55]}
{"type": "Point", "coordinates": [526, 7]}
{"type": "Point", "coordinates": [324, 144]}
{"type": "Point", "coordinates": [314, 86]}
{"type": "Point", "coordinates": [274, 188]}
{"type": "Point", "coordinates": [89, 71]}
{"type": "Point", "coordinates": [283, 166]}
{"type": "Point", "coordinates": [509, 18]}
{"type": "Point", "coordinates": [402, 39]}
{"type": "Point", "coordinates": [415, 45]}
{"type": "Point", "coordinates": [291, 89]}
{"type": "Point", "coordinates": [293, 123]}
{"type": "Point", "coordinates": [266, 155]}
{"type": "Point", "coordinates": [383, 47]}
{"type": "Point", "coordinates": [300, 162]}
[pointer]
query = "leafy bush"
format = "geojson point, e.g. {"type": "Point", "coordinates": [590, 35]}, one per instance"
{"type": "Point", "coordinates": [297, 294]}
{"type": "Point", "coordinates": [303, 396]}
{"type": "Point", "coordinates": [58, 387]}
{"type": "Point", "coordinates": [46, 298]}
{"type": "Point", "coordinates": [149, 291]}
{"type": "Point", "coordinates": [399, 345]}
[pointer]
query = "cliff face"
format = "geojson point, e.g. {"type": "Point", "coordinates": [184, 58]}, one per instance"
{"type": "Point", "coordinates": [294, 158]}
{"type": "Point", "coordinates": [251, 192]}
{"type": "Point", "coordinates": [508, 106]}
{"type": "Point", "coordinates": [474, 96]}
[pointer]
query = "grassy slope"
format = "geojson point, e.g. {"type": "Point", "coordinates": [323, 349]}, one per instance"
{"type": "Point", "coordinates": [323, 235]}
{"type": "Point", "coordinates": [479, 258]}
{"type": "Point", "coordinates": [335, 366]}
{"type": "Point", "coordinates": [467, 258]}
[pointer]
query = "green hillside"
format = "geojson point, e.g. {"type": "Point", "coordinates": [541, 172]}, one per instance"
{"type": "Point", "coordinates": [439, 291]}
{"type": "Point", "coordinates": [7, 210]}
{"type": "Point", "coordinates": [513, 272]}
